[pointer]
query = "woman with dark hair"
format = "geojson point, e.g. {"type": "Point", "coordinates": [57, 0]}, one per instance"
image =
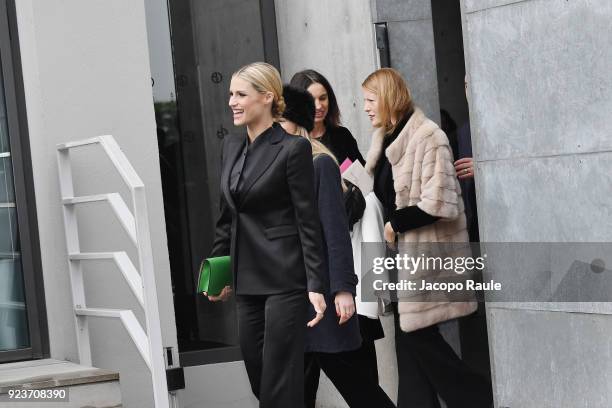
{"type": "Point", "coordinates": [334, 344]}
{"type": "Point", "coordinates": [327, 127]}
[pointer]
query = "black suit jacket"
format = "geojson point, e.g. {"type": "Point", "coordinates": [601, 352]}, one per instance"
{"type": "Point", "coordinates": [272, 231]}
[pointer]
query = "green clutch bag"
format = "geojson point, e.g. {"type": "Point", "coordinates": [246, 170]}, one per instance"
{"type": "Point", "coordinates": [215, 274]}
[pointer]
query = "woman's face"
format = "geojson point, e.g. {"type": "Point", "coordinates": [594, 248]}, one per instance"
{"type": "Point", "coordinates": [321, 99]}
{"type": "Point", "coordinates": [246, 103]}
{"type": "Point", "coordinates": [370, 106]}
{"type": "Point", "coordinates": [289, 126]}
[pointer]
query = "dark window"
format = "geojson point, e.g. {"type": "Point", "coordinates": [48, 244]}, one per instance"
{"type": "Point", "coordinates": [450, 65]}
{"type": "Point", "coordinates": [23, 331]}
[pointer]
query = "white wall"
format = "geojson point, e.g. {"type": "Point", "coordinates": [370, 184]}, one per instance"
{"type": "Point", "coordinates": [86, 73]}
{"type": "Point", "coordinates": [335, 38]}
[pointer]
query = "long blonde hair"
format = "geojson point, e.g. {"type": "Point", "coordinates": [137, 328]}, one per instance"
{"type": "Point", "coordinates": [394, 98]}
{"type": "Point", "coordinates": [265, 78]}
{"type": "Point", "coordinates": [318, 148]}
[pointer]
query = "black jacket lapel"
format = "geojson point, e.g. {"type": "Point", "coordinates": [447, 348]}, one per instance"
{"type": "Point", "coordinates": [263, 162]}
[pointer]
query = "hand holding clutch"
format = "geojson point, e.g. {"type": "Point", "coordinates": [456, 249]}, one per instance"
{"type": "Point", "coordinates": [215, 278]}
{"type": "Point", "coordinates": [223, 296]}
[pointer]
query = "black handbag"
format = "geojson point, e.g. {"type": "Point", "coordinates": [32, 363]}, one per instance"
{"type": "Point", "coordinates": [354, 203]}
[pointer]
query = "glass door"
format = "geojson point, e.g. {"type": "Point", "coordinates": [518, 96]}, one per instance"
{"type": "Point", "coordinates": [13, 317]}
{"type": "Point", "coordinates": [23, 326]}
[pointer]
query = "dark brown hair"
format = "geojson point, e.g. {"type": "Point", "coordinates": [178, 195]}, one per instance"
{"type": "Point", "coordinates": [304, 79]}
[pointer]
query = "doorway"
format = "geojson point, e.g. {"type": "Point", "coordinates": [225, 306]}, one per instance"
{"type": "Point", "coordinates": [190, 83]}
{"type": "Point", "coordinates": [454, 118]}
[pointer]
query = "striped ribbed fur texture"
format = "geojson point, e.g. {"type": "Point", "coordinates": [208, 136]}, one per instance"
{"type": "Point", "coordinates": [424, 175]}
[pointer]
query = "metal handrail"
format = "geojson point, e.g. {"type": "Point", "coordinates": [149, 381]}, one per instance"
{"type": "Point", "coordinates": [143, 286]}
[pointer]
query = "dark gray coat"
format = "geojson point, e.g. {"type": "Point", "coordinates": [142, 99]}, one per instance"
{"type": "Point", "coordinates": [328, 336]}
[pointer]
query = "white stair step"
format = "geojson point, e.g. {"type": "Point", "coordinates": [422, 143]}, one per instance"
{"type": "Point", "coordinates": [78, 143]}
{"type": "Point", "coordinates": [99, 312]}
{"type": "Point", "coordinates": [85, 386]}
{"type": "Point", "coordinates": [125, 265]}
{"type": "Point", "coordinates": [82, 256]}
{"type": "Point", "coordinates": [131, 324]}
{"type": "Point", "coordinates": [125, 216]}
{"type": "Point", "coordinates": [87, 199]}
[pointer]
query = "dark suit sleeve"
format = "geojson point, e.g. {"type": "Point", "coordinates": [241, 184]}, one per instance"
{"type": "Point", "coordinates": [334, 225]}
{"type": "Point", "coordinates": [300, 177]}
{"type": "Point", "coordinates": [223, 228]}
{"type": "Point", "coordinates": [409, 218]}
{"type": "Point", "coordinates": [353, 148]}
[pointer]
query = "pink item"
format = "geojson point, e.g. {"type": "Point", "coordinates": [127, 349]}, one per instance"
{"type": "Point", "coordinates": [345, 165]}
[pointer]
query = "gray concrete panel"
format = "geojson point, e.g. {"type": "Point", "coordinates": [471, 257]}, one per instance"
{"type": "Point", "coordinates": [413, 54]}
{"type": "Point", "coordinates": [554, 199]}
{"type": "Point", "coordinates": [551, 359]}
{"type": "Point", "coordinates": [204, 382]}
{"type": "Point", "coordinates": [539, 105]}
{"type": "Point", "coordinates": [217, 386]}
{"type": "Point", "coordinates": [328, 396]}
{"type": "Point", "coordinates": [570, 307]}
{"type": "Point", "coordinates": [472, 6]}
{"type": "Point", "coordinates": [402, 10]}
{"type": "Point", "coordinates": [335, 38]}
{"type": "Point", "coordinates": [544, 276]}
{"type": "Point", "coordinates": [540, 82]}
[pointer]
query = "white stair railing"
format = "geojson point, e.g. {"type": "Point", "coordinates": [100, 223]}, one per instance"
{"type": "Point", "coordinates": [142, 284]}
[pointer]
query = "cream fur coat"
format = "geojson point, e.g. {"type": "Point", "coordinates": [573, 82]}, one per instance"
{"type": "Point", "coordinates": [424, 175]}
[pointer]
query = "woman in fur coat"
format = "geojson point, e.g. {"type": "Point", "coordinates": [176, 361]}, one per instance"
{"type": "Point", "coordinates": [412, 165]}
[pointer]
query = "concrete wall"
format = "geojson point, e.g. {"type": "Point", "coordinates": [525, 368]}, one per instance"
{"type": "Point", "coordinates": [86, 73]}
{"type": "Point", "coordinates": [539, 107]}
{"type": "Point", "coordinates": [411, 44]}
{"type": "Point", "coordinates": [223, 385]}
{"type": "Point", "coordinates": [335, 38]}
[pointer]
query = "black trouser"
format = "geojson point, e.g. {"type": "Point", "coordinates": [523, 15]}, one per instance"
{"type": "Point", "coordinates": [428, 367]}
{"type": "Point", "coordinates": [272, 331]}
{"type": "Point", "coordinates": [353, 373]}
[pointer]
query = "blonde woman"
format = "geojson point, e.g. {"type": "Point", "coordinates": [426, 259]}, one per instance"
{"type": "Point", "coordinates": [269, 226]}
{"type": "Point", "coordinates": [414, 178]}
{"type": "Point", "coordinates": [342, 144]}
{"type": "Point", "coordinates": [334, 344]}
